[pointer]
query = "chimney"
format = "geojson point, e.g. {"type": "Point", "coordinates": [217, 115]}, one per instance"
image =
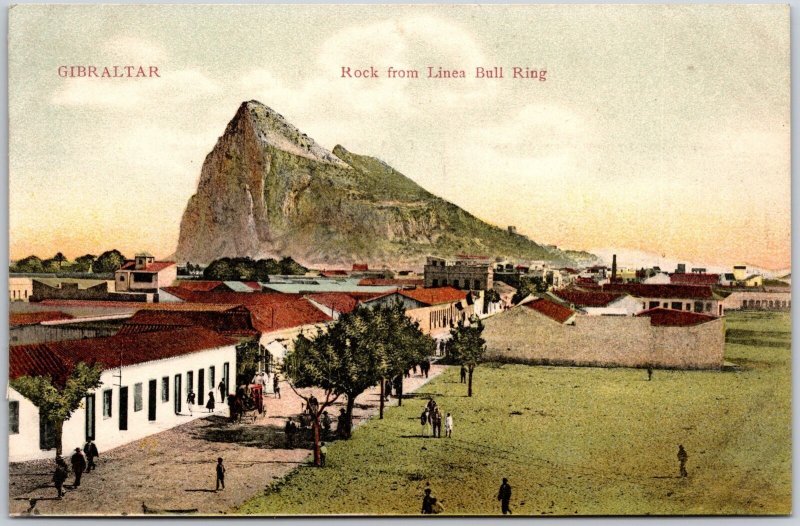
{"type": "Point", "coordinates": [614, 269]}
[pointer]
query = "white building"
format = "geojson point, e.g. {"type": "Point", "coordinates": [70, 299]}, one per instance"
{"type": "Point", "coordinates": [145, 274]}
{"type": "Point", "coordinates": [144, 387]}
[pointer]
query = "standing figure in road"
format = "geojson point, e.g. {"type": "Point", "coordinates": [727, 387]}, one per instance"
{"type": "Point", "coordinates": [504, 496]}
{"type": "Point", "coordinates": [190, 400]}
{"type": "Point", "coordinates": [288, 431]}
{"type": "Point", "coordinates": [275, 386]}
{"type": "Point", "coordinates": [313, 405]}
{"type": "Point", "coordinates": [463, 374]}
{"type": "Point", "coordinates": [326, 424]}
{"type": "Point", "coordinates": [222, 393]}
{"type": "Point", "coordinates": [682, 458]}
{"type": "Point", "coordinates": [60, 476]}
{"type": "Point", "coordinates": [220, 474]}
{"type": "Point", "coordinates": [448, 426]}
{"type": "Point", "coordinates": [78, 466]}
{"type": "Point", "coordinates": [211, 403]}
{"type": "Point", "coordinates": [90, 450]}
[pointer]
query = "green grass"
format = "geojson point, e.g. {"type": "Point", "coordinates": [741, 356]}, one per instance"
{"type": "Point", "coordinates": [575, 440]}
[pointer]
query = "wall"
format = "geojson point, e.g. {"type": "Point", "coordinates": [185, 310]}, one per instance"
{"type": "Point", "coordinates": [449, 273]}
{"type": "Point", "coordinates": [107, 432]}
{"type": "Point", "coordinates": [69, 331]}
{"type": "Point", "coordinates": [759, 301]}
{"type": "Point", "coordinates": [28, 436]}
{"type": "Point", "coordinates": [523, 335]}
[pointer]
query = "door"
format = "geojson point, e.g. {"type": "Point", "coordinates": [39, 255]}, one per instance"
{"type": "Point", "coordinates": [123, 408]}
{"type": "Point", "coordinates": [178, 394]}
{"type": "Point", "coordinates": [225, 372]}
{"type": "Point", "coordinates": [90, 416]}
{"type": "Point", "coordinates": [152, 391]}
{"type": "Point", "coordinates": [201, 388]}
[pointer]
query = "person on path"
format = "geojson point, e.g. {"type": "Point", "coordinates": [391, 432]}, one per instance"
{"type": "Point", "coordinates": [90, 450]}
{"type": "Point", "coordinates": [60, 476]}
{"type": "Point", "coordinates": [428, 502]}
{"type": "Point", "coordinates": [220, 474]}
{"type": "Point", "coordinates": [275, 386]}
{"type": "Point", "coordinates": [78, 462]}
{"type": "Point", "coordinates": [682, 458]}
{"type": "Point", "coordinates": [221, 389]}
{"type": "Point", "coordinates": [463, 374]}
{"type": "Point", "coordinates": [448, 426]}
{"type": "Point", "coordinates": [190, 401]}
{"type": "Point", "coordinates": [289, 431]}
{"type": "Point", "coordinates": [436, 423]}
{"type": "Point", "coordinates": [423, 419]}
{"type": "Point", "coordinates": [210, 404]}
{"type": "Point", "coordinates": [649, 373]}
{"type": "Point", "coordinates": [398, 386]}
{"type": "Point", "coordinates": [323, 453]}
{"type": "Point", "coordinates": [326, 424]}
{"type": "Point", "coordinates": [504, 496]}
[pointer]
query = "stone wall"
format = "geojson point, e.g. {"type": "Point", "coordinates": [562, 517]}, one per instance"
{"type": "Point", "coordinates": [523, 335]}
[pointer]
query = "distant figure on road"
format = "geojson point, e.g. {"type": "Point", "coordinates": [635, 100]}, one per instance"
{"type": "Point", "coordinates": [425, 366]}
{"type": "Point", "coordinates": [275, 386]}
{"type": "Point", "coordinates": [504, 496]}
{"type": "Point", "coordinates": [60, 476]}
{"type": "Point", "coordinates": [428, 502]}
{"type": "Point", "coordinates": [210, 404]}
{"type": "Point", "coordinates": [221, 389]}
{"type": "Point", "coordinates": [398, 385]}
{"type": "Point", "coordinates": [220, 474]}
{"type": "Point", "coordinates": [78, 466]}
{"type": "Point", "coordinates": [682, 458]}
{"type": "Point", "coordinates": [423, 419]}
{"type": "Point", "coordinates": [463, 374]}
{"type": "Point", "coordinates": [649, 373]}
{"type": "Point", "coordinates": [90, 450]}
{"type": "Point", "coordinates": [448, 426]}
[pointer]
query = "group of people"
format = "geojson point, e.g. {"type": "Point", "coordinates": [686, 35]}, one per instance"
{"type": "Point", "coordinates": [431, 418]}
{"type": "Point", "coordinates": [81, 461]}
{"type": "Point", "coordinates": [191, 398]}
{"type": "Point", "coordinates": [431, 505]}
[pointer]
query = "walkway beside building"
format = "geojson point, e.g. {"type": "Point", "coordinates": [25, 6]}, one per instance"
{"type": "Point", "coordinates": [175, 470]}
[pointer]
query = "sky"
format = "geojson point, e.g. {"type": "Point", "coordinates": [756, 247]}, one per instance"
{"type": "Point", "coordinates": [662, 129]}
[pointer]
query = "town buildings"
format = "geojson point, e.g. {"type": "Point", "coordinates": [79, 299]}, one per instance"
{"type": "Point", "coordinates": [145, 274]}
{"type": "Point", "coordinates": [467, 273]}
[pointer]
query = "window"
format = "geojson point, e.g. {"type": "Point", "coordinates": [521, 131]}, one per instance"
{"type": "Point", "coordinates": [698, 306]}
{"type": "Point", "coordinates": [140, 277]}
{"type": "Point", "coordinates": [122, 277]}
{"type": "Point", "coordinates": [189, 383]}
{"type": "Point", "coordinates": [677, 305]}
{"type": "Point", "coordinates": [435, 282]}
{"type": "Point", "coordinates": [708, 307]}
{"type": "Point", "coordinates": [13, 417]}
{"type": "Point", "coordinates": [455, 283]}
{"type": "Point", "coordinates": [444, 283]}
{"type": "Point", "coordinates": [107, 403]}
{"type": "Point", "coordinates": [477, 284]}
{"type": "Point", "coordinates": [201, 387]}
{"type": "Point", "coordinates": [137, 397]}
{"type": "Point", "coordinates": [165, 389]}
{"type": "Point", "coordinates": [653, 305]}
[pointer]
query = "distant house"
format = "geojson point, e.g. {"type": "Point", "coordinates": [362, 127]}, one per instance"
{"type": "Point", "coordinates": [697, 299]}
{"type": "Point", "coordinates": [465, 272]}
{"type": "Point", "coordinates": [144, 385]}
{"type": "Point", "coordinates": [20, 288]}
{"type": "Point", "coordinates": [145, 274]}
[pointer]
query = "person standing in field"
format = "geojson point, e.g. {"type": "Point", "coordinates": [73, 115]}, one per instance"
{"type": "Point", "coordinates": [423, 419]}
{"type": "Point", "coordinates": [326, 424]}
{"type": "Point", "coordinates": [436, 423]}
{"type": "Point", "coordinates": [504, 496]}
{"type": "Point", "coordinates": [682, 458]}
{"type": "Point", "coordinates": [649, 373]}
{"type": "Point", "coordinates": [448, 426]}
{"type": "Point", "coordinates": [428, 502]}
{"type": "Point", "coordinates": [463, 374]}
{"type": "Point", "coordinates": [220, 474]}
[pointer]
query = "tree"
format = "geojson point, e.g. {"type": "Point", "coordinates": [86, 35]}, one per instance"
{"type": "Point", "coordinates": [31, 264]}
{"type": "Point", "coordinates": [57, 402]}
{"type": "Point", "coordinates": [467, 346]}
{"type": "Point", "coordinates": [84, 263]}
{"type": "Point", "coordinates": [490, 296]}
{"type": "Point", "coordinates": [108, 262]}
{"type": "Point", "coordinates": [289, 266]}
{"type": "Point", "coordinates": [528, 286]}
{"type": "Point", "coordinates": [59, 258]}
{"type": "Point", "coordinates": [248, 358]}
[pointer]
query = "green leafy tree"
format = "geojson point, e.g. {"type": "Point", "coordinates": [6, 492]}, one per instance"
{"type": "Point", "coordinates": [30, 264]}
{"type": "Point", "coordinates": [248, 357]}
{"type": "Point", "coordinates": [51, 265]}
{"type": "Point", "coordinates": [220, 269]}
{"type": "Point", "coordinates": [289, 266]}
{"type": "Point", "coordinates": [468, 347]}
{"type": "Point", "coordinates": [108, 262]}
{"type": "Point", "coordinates": [84, 263]}
{"type": "Point", "coordinates": [528, 286]}
{"type": "Point", "coordinates": [403, 342]}
{"type": "Point", "coordinates": [60, 259]}
{"type": "Point", "coordinates": [55, 402]}
{"type": "Point", "coordinates": [489, 296]}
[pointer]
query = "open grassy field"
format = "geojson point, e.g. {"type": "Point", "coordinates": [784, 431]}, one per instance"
{"type": "Point", "coordinates": [583, 441]}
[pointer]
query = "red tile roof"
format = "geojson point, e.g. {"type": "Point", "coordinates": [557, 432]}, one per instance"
{"type": "Point", "coordinates": [56, 359]}
{"type": "Point", "coordinates": [550, 309]}
{"type": "Point", "coordinates": [661, 317]}
{"type": "Point", "coordinates": [338, 301]}
{"type": "Point", "coordinates": [155, 266]}
{"type": "Point", "coordinates": [644, 290]}
{"type": "Point", "coordinates": [267, 318]}
{"type": "Point", "coordinates": [329, 273]}
{"type": "Point", "coordinates": [232, 322]}
{"type": "Point", "coordinates": [694, 279]}
{"type": "Point", "coordinates": [18, 319]}
{"type": "Point", "coordinates": [140, 305]}
{"type": "Point", "coordinates": [360, 266]}
{"type": "Point", "coordinates": [435, 295]}
{"type": "Point", "coordinates": [201, 285]}
{"type": "Point", "coordinates": [582, 298]}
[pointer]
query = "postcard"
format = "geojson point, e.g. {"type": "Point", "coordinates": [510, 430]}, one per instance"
{"type": "Point", "coordinates": [399, 260]}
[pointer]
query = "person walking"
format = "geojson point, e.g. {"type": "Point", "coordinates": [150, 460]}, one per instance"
{"type": "Point", "coordinates": [649, 373]}
{"type": "Point", "coordinates": [210, 404]}
{"type": "Point", "coordinates": [428, 502]}
{"type": "Point", "coordinates": [504, 496]}
{"type": "Point", "coordinates": [60, 476]}
{"type": "Point", "coordinates": [463, 374]}
{"type": "Point", "coordinates": [448, 426]}
{"type": "Point", "coordinates": [220, 474]}
{"type": "Point", "coordinates": [222, 393]}
{"type": "Point", "coordinates": [90, 450]}
{"type": "Point", "coordinates": [682, 458]}
{"type": "Point", "coordinates": [78, 462]}
{"type": "Point", "coordinates": [275, 386]}
{"type": "Point", "coordinates": [423, 419]}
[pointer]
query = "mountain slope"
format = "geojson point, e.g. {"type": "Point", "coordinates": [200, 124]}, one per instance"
{"type": "Point", "coordinates": [268, 190]}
